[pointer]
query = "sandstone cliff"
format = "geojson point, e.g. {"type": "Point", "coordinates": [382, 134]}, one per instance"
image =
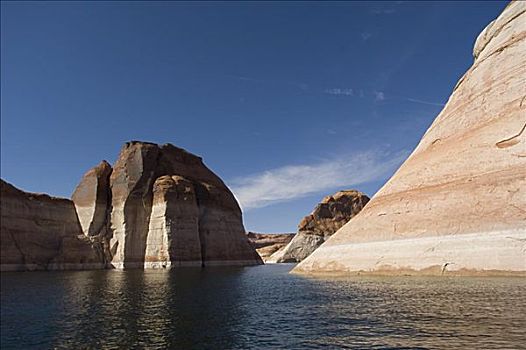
{"type": "Point", "coordinates": [169, 209]}
{"type": "Point", "coordinates": [159, 206]}
{"type": "Point", "coordinates": [330, 214]}
{"type": "Point", "coordinates": [39, 232]}
{"type": "Point", "coordinates": [458, 203]}
{"type": "Point", "coordinates": [268, 244]}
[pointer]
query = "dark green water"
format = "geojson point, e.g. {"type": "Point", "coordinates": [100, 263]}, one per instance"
{"type": "Point", "coordinates": [260, 307]}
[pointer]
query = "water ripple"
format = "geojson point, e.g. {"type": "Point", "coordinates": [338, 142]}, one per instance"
{"type": "Point", "coordinates": [260, 307]}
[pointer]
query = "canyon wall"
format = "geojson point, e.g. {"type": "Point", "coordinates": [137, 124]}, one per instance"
{"type": "Point", "coordinates": [458, 203]}
{"type": "Point", "coordinates": [40, 232]}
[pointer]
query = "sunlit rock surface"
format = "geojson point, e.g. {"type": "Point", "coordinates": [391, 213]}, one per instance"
{"type": "Point", "coordinates": [92, 199]}
{"type": "Point", "coordinates": [458, 203]}
{"type": "Point", "coordinates": [40, 232]}
{"type": "Point", "coordinates": [330, 214]}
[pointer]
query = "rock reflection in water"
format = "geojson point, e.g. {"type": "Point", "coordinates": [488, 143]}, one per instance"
{"type": "Point", "coordinates": [257, 307]}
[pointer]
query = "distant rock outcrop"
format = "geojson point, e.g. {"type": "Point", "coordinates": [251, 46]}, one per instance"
{"type": "Point", "coordinates": [332, 213]}
{"type": "Point", "coordinates": [39, 232]}
{"type": "Point", "coordinates": [159, 206]}
{"type": "Point", "coordinates": [267, 244]}
{"type": "Point", "coordinates": [458, 203]}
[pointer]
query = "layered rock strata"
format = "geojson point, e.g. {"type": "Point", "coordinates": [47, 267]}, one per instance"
{"type": "Point", "coordinates": [268, 244]}
{"type": "Point", "coordinates": [39, 232]}
{"type": "Point", "coordinates": [330, 214]}
{"type": "Point", "coordinates": [458, 203]}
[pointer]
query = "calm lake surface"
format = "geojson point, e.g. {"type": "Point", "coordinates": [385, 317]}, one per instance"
{"type": "Point", "coordinates": [260, 307]}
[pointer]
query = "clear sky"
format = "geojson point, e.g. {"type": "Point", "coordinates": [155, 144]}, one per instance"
{"type": "Point", "coordinates": [286, 102]}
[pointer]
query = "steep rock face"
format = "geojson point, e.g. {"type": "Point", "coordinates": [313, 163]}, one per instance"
{"type": "Point", "coordinates": [164, 198]}
{"type": "Point", "coordinates": [173, 235]}
{"type": "Point", "coordinates": [92, 199]}
{"type": "Point", "coordinates": [131, 181]}
{"type": "Point", "coordinates": [40, 232]}
{"type": "Point", "coordinates": [330, 214]}
{"type": "Point", "coordinates": [457, 204]}
{"type": "Point", "coordinates": [268, 244]}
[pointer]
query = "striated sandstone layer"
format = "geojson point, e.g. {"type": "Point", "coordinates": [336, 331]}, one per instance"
{"type": "Point", "coordinates": [39, 232]}
{"type": "Point", "coordinates": [330, 214]}
{"type": "Point", "coordinates": [267, 244]}
{"type": "Point", "coordinates": [458, 203]}
{"type": "Point", "coordinates": [169, 209]}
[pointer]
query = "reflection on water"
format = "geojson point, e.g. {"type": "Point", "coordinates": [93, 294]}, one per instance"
{"type": "Point", "coordinates": [257, 307]}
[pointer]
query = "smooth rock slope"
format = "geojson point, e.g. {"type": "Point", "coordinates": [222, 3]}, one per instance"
{"type": "Point", "coordinates": [330, 214]}
{"type": "Point", "coordinates": [458, 203]}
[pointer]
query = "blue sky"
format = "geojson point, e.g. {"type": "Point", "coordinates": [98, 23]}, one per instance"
{"type": "Point", "coordinates": [287, 102]}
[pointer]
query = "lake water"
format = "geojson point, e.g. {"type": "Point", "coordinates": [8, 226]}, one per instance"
{"type": "Point", "coordinates": [260, 307]}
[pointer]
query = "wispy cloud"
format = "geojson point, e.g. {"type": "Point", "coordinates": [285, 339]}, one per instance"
{"type": "Point", "coordinates": [295, 181]}
{"type": "Point", "coordinates": [425, 102]}
{"type": "Point", "coordinates": [379, 96]}
{"type": "Point", "coordinates": [383, 11]}
{"type": "Point", "coordinates": [339, 91]}
{"type": "Point", "coordinates": [383, 8]}
{"type": "Point", "coordinates": [366, 36]}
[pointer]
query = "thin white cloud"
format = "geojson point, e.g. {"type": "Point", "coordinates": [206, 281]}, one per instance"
{"type": "Point", "coordinates": [295, 181]}
{"type": "Point", "coordinates": [366, 36]}
{"type": "Point", "coordinates": [379, 96]}
{"type": "Point", "coordinates": [426, 102]}
{"type": "Point", "coordinates": [338, 91]}
{"type": "Point", "coordinates": [383, 11]}
{"type": "Point", "coordinates": [350, 92]}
